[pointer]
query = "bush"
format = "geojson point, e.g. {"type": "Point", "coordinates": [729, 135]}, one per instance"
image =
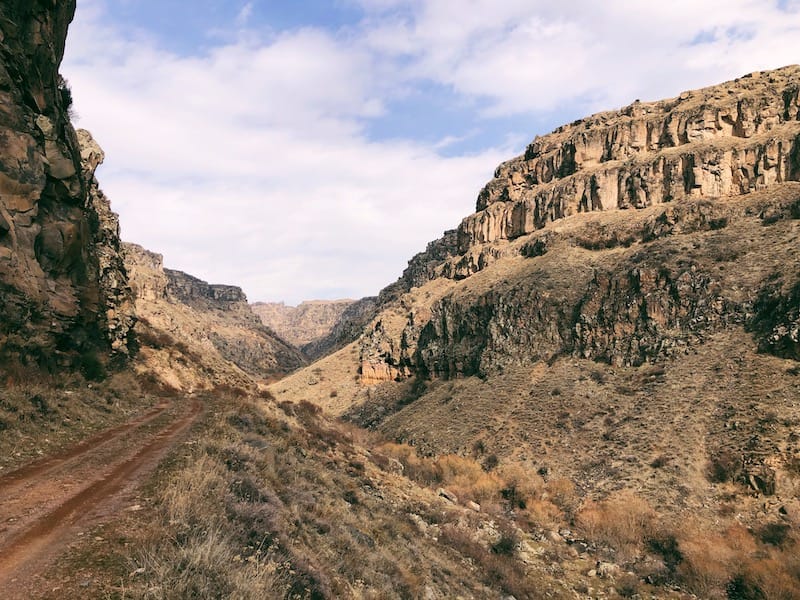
{"type": "Point", "coordinates": [622, 521]}
{"type": "Point", "coordinates": [660, 461]}
{"type": "Point", "coordinates": [91, 366]}
{"type": "Point", "coordinates": [628, 586]}
{"type": "Point", "coordinates": [507, 544]}
{"type": "Point", "coordinates": [723, 467]}
{"type": "Point", "coordinates": [774, 534]}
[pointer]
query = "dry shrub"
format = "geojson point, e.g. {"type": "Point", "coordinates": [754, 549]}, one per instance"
{"type": "Point", "coordinates": [623, 522]}
{"type": "Point", "coordinates": [563, 494]}
{"type": "Point", "coordinates": [711, 560]}
{"type": "Point", "coordinates": [724, 466]}
{"type": "Point", "coordinates": [420, 469]}
{"type": "Point", "coordinates": [767, 578]}
{"type": "Point", "coordinates": [542, 514]}
{"type": "Point", "coordinates": [467, 479]}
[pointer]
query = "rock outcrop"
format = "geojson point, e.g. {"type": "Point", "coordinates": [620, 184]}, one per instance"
{"type": "Point", "coordinates": [213, 324]}
{"type": "Point", "coordinates": [63, 288]}
{"type": "Point", "coordinates": [528, 284]}
{"type": "Point", "coordinates": [726, 140]}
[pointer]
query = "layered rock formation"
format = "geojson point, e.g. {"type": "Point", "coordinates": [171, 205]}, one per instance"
{"type": "Point", "coordinates": [212, 324]}
{"type": "Point", "coordinates": [528, 284]}
{"type": "Point", "coordinates": [63, 285]}
{"type": "Point", "coordinates": [302, 324]}
{"type": "Point", "coordinates": [721, 141]}
{"type": "Point", "coordinates": [633, 275]}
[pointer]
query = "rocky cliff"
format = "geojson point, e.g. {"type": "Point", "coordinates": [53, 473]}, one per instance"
{"type": "Point", "coordinates": [622, 310]}
{"type": "Point", "coordinates": [211, 325]}
{"type": "Point", "coordinates": [63, 285]}
{"type": "Point", "coordinates": [725, 140]}
{"type": "Point", "coordinates": [642, 177]}
{"type": "Point", "coordinates": [302, 324]}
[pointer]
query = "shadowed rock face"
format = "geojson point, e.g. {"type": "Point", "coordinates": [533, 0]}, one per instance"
{"type": "Point", "coordinates": [63, 287]}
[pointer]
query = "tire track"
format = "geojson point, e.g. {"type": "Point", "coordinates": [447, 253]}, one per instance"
{"type": "Point", "coordinates": [31, 549]}
{"type": "Point", "coordinates": [46, 465]}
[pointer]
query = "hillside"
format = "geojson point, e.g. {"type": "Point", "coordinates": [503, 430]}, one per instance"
{"type": "Point", "coordinates": [194, 335]}
{"type": "Point", "coordinates": [620, 312]}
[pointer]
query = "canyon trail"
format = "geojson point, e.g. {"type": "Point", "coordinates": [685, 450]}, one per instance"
{"type": "Point", "coordinates": [45, 504]}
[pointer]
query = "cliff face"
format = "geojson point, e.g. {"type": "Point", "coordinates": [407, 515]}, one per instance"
{"type": "Point", "coordinates": [212, 323]}
{"type": "Point", "coordinates": [726, 140]}
{"type": "Point", "coordinates": [63, 286]}
{"type": "Point", "coordinates": [302, 324]}
{"type": "Point", "coordinates": [519, 281]}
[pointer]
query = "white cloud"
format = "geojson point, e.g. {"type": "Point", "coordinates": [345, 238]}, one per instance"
{"type": "Point", "coordinates": [524, 55]}
{"type": "Point", "coordinates": [249, 163]}
{"type": "Point", "coordinates": [244, 14]}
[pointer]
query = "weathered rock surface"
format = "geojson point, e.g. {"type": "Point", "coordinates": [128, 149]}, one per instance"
{"type": "Point", "coordinates": [212, 323]}
{"type": "Point", "coordinates": [304, 324]}
{"type": "Point", "coordinates": [726, 140]}
{"type": "Point", "coordinates": [64, 288]}
{"type": "Point", "coordinates": [528, 284]}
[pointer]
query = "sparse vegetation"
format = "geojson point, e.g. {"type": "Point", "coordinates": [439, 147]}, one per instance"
{"type": "Point", "coordinates": [250, 513]}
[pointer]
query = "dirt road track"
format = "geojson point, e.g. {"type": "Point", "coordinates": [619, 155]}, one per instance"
{"type": "Point", "coordinates": [44, 504]}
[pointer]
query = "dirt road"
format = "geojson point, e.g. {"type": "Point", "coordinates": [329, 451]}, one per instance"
{"type": "Point", "coordinates": [46, 503]}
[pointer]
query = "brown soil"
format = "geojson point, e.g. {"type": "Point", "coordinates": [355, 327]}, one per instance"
{"type": "Point", "coordinates": [46, 503]}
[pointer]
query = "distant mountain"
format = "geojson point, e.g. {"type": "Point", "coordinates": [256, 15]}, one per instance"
{"type": "Point", "coordinates": [302, 324]}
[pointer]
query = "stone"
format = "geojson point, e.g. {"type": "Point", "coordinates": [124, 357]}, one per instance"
{"type": "Point", "coordinates": [447, 495]}
{"type": "Point", "coordinates": [553, 536]}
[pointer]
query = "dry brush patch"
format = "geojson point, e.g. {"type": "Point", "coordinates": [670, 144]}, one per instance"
{"type": "Point", "coordinates": [722, 560]}
{"type": "Point", "coordinates": [278, 502]}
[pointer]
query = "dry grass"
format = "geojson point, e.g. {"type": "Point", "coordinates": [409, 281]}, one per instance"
{"type": "Point", "coordinates": [623, 522]}
{"type": "Point", "coordinates": [41, 413]}
{"type": "Point", "coordinates": [279, 502]}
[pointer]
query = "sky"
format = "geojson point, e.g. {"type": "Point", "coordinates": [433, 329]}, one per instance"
{"type": "Point", "coordinates": [308, 149]}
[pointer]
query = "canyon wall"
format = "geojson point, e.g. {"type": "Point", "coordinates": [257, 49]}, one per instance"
{"type": "Point", "coordinates": [214, 323]}
{"type": "Point", "coordinates": [616, 238]}
{"type": "Point", "coordinates": [63, 286]}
